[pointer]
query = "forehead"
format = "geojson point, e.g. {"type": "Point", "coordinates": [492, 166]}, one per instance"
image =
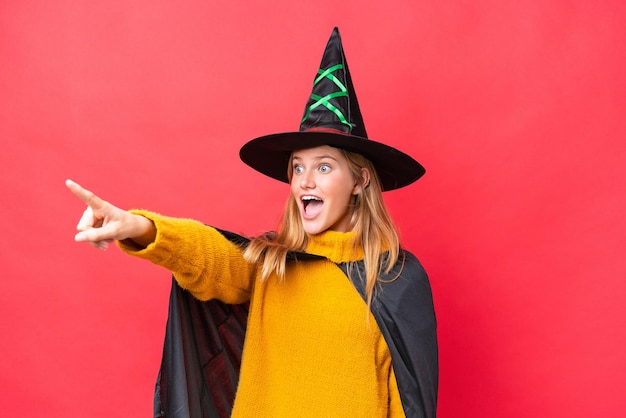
{"type": "Point", "coordinates": [318, 152]}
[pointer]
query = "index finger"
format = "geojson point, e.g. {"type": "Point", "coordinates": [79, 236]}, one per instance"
{"type": "Point", "coordinates": [85, 195]}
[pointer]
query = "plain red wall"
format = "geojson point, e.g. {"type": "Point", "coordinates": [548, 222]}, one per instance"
{"type": "Point", "coordinates": [516, 108]}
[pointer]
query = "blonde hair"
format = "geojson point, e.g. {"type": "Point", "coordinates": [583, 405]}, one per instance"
{"type": "Point", "coordinates": [374, 231]}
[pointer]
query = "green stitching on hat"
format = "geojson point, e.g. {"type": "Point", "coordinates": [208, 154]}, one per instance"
{"type": "Point", "coordinates": [319, 100]}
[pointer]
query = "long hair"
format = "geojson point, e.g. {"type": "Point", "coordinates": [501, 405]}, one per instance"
{"type": "Point", "coordinates": [374, 231]}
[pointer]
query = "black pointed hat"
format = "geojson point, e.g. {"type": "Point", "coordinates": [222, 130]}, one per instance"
{"type": "Point", "coordinates": [331, 117]}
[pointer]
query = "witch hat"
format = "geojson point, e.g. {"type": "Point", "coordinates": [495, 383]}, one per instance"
{"type": "Point", "coordinates": [331, 117]}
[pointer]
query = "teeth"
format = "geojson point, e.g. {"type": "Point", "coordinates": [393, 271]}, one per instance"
{"type": "Point", "coordinates": [308, 198]}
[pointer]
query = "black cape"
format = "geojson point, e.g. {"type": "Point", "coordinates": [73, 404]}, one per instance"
{"type": "Point", "coordinates": [204, 341]}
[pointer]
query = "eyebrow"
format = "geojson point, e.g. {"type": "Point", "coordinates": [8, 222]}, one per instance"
{"type": "Point", "coordinates": [319, 157]}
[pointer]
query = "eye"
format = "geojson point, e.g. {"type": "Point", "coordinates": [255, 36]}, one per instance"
{"type": "Point", "coordinates": [298, 169]}
{"type": "Point", "coordinates": [324, 168]}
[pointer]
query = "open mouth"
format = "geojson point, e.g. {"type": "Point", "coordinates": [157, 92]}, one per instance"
{"type": "Point", "coordinates": [312, 206]}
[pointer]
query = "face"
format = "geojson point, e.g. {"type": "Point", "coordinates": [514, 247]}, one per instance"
{"type": "Point", "coordinates": [323, 185]}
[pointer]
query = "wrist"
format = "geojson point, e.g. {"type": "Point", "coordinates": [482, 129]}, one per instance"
{"type": "Point", "coordinates": [144, 232]}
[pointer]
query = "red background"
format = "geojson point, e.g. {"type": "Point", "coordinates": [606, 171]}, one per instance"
{"type": "Point", "coordinates": [516, 109]}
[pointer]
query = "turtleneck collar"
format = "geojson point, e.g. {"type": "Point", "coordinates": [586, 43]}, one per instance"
{"type": "Point", "coordinates": [334, 245]}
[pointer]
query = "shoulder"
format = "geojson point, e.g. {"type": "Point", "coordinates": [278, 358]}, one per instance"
{"type": "Point", "coordinates": [407, 271]}
{"type": "Point", "coordinates": [407, 285]}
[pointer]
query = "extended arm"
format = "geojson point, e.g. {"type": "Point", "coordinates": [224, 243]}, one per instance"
{"type": "Point", "coordinates": [202, 260]}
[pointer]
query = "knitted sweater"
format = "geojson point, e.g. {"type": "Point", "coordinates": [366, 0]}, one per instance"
{"type": "Point", "coordinates": [309, 349]}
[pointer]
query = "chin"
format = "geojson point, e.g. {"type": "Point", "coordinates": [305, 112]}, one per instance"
{"type": "Point", "coordinates": [313, 228]}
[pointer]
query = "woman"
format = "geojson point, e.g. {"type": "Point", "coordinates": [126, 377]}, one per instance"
{"type": "Point", "coordinates": [313, 346]}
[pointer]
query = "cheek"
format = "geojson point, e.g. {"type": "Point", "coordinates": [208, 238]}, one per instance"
{"type": "Point", "coordinates": [342, 193]}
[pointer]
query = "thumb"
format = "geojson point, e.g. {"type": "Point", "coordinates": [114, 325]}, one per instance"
{"type": "Point", "coordinates": [106, 233]}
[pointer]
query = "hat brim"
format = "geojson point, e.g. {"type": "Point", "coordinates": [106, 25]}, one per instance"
{"type": "Point", "coordinates": [270, 155]}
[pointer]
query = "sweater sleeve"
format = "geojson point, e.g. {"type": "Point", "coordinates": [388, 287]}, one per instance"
{"type": "Point", "coordinates": [202, 260]}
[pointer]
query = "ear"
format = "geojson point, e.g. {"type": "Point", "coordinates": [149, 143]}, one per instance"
{"type": "Point", "coordinates": [362, 182]}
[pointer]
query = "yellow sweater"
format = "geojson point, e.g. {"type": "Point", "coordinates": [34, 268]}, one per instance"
{"type": "Point", "coordinates": [309, 350]}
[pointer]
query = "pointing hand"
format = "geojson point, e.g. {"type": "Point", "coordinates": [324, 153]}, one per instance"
{"type": "Point", "coordinates": [102, 222]}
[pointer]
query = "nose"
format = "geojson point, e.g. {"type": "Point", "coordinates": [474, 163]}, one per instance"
{"type": "Point", "coordinates": [307, 180]}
